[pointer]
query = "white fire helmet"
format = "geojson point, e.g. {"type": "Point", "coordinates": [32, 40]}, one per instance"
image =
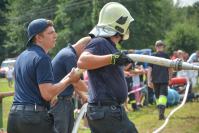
{"type": "Point", "coordinates": [114, 18]}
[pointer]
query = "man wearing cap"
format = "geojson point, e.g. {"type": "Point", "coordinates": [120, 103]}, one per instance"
{"type": "Point", "coordinates": [158, 78]}
{"type": "Point", "coordinates": [34, 87]}
{"type": "Point", "coordinates": [63, 110]}
{"type": "Point", "coordinates": [107, 86]}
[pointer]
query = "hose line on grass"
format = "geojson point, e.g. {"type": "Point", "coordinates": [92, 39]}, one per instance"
{"type": "Point", "coordinates": [174, 110]}
{"type": "Point", "coordinates": [79, 117]}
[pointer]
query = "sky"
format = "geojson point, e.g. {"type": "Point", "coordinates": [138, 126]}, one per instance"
{"type": "Point", "coordinates": [185, 2]}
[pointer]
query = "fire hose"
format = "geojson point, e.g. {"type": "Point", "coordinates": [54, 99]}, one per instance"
{"type": "Point", "coordinates": [79, 117]}
{"type": "Point", "coordinates": [175, 109]}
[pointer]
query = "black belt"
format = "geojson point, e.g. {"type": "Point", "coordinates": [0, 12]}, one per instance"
{"type": "Point", "coordinates": [105, 103]}
{"type": "Point", "coordinates": [64, 97]}
{"type": "Point", "coordinates": [28, 108]}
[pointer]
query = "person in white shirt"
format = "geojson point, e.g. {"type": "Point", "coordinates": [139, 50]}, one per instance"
{"type": "Point", "coordinates": [194, 57]}
{"type": "Point", "coordinates": [193, 75]}
{"type": "Point", "coordinates": [9, 76]}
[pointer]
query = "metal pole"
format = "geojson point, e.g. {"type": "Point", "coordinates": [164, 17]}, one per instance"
{"type": "Point", "coordinates": [2, 95]}
{"type": "Point", "coordinates": [1, 113]}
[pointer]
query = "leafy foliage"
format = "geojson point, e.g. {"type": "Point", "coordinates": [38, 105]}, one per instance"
{"type": "Point", "coordinates": [71, 23]}
{"type": "Point", "coordinates": [183, 36]}
{"type": "Point", "coordinates": [154, 20]}
{"type": "Point", "coordinates": [2, 32]}
{"type": "Point", "coordinates": [19, 14]}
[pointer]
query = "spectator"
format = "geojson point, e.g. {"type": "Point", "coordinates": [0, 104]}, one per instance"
{"type": "Point", "coordinates": [194, 57]}
{"type": "Point", "coordinates": [185, 56]}
{"type": "Point", "coordinates": [180, 54]}
{"type": "Point", "coordinates": [10, 76]}
{"type": "Point", "coordinates": [174, 55]}
{"type": "Point", "coordinates": [193, 75]}
{"type": "Point", "coordinates": [128, 78]}
{"type": "Point", "coordinates": [137, 83]}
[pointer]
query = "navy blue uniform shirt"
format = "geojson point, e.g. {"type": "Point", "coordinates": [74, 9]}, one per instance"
{"type": "Point", "coordinates": [62, 64]}
{"type": "Point", "coordinates": [160, 74]}
{"type": "Point", "coordinates": [33, 67]}
{"type": "Point", "coordinates": [108, 82]}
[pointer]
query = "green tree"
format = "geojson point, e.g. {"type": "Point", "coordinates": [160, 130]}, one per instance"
{"type": "Point", "coordinates": [95, 11]}
{"type": "Point", "coordinates": [184, 37]}
{"type": "Point", "coordinates": [72, 21]}
{"type": "Point", "coordinates": [193, 14]}
{"type": "Point", "coordinates": [19, 14]}
{"type": "Point", "coordinates": [2, 32]}
{"type": "Point", "coordinates": [152, 20]}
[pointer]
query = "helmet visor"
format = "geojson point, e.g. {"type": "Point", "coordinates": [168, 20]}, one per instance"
{"type": "Point", "coordinates": [101, 31]}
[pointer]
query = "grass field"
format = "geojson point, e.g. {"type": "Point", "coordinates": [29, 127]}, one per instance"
{"type": "Point", "coordinates": [186, 120]}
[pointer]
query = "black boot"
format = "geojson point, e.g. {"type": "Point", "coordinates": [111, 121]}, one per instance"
{"type": "Point", "coordinates": [135, 107]}
{"type": "Point", "coordinates": [161, 109]}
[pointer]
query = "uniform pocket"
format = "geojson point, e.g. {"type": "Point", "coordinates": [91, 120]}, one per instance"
{"type": "Point", "coordinates": [95, 114]}
{"type": "Point", "coordinates": [115, 113]}
{"type": "Point", "coordinates": [31, 118]}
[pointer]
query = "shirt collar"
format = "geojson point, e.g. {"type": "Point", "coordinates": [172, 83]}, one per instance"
{"type": "Point", "coordinates": [70, 46]}
{"type": "Point", "coordinates": [35, 46]}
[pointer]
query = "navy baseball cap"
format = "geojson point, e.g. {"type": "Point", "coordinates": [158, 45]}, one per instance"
{"type": "Point", "coordinates": [35, 27]}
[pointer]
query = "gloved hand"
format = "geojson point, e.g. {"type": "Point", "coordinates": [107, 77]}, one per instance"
{"type": "Point", "coordinates": [120, 59]}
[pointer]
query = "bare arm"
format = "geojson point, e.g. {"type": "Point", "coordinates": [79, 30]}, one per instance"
{"type": "Point", "coordinates": [81, 86]}
{"type": "Point", "coordinates": [149, 73]}
{"type": "Point", "coordinates": [89, 61]}
{"type": "Point", "coordinates": [83, 96]}
{"type": "Point", "coordinates": [50, 90]}
{"type": "Point", "coordinates": [137, 72]}
{"type": "Point", "coordinates": [150, 84]}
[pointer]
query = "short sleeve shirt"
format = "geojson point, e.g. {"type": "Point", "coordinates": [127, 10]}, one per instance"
{"type": "Point", "coordinates": [32, 67]}
{"type": "Point", "coordinates": [108, 82]}
{"type": "Point", "coordinates": [160, 74]}
{"type": "Point", "coordinates": [62, 64]}
{"type": "Point", "coordinates": [193, 58]}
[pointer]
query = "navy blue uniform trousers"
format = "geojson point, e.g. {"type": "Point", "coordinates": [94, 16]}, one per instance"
{"type": "Point", "coordinates": [109, 119]}
{"type": "Point", "coordinates": [22, 121]}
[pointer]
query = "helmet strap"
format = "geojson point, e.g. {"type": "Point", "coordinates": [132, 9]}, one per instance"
{"type": "Point", "coordinates": [121, 36]}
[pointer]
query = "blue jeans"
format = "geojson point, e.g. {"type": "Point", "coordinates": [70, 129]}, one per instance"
{"type": "Point", "coordinates": [22, 121]}
{"type": "Point", "coordinates": [109, 119]}
{"type": "Point", "coordinates": [63, 114]}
